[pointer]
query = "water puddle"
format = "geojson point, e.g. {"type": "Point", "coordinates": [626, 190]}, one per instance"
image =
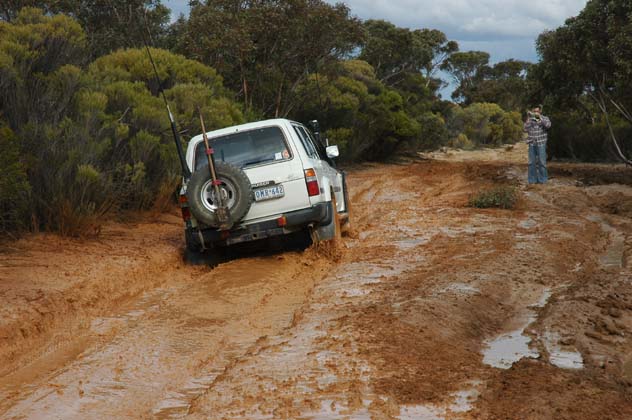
{"type": "Point", "coordinates": [508, 348]}
{"type": "Point", "coordinates": [561, 357]}
{"type": "Point", "coordinates": [613, 257]}
{"type": "Point", "coordinates": [528, 223]}
{"type": "Point", "coordinates": [505, 350]}
{"type": "Point", "coordinates": [407, 244]}
{"type": "Point", "coordinates": [461, 402]}
{"type": "Point", "coordinates": [459, 289]}
{"type": "Point", "coordinates": [420, 412]}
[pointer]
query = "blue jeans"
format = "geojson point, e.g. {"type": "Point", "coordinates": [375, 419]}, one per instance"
{"type": "Point", "coordinates": [537, 164]}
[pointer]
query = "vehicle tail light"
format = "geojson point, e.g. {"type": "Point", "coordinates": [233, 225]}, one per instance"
{"type": "Point", "coordinates": [186, 214]}
{"type": "Point", "coordinates": [312, 182]}
{"type": "Point", "coordinates": [184, 207]}
{"type": "Point", "coordinates": [281, 221]}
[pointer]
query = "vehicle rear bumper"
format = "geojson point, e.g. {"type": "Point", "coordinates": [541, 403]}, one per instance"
{"type": "Point", "coordinates": [319, 214]}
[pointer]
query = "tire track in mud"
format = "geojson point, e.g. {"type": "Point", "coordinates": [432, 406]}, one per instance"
{"type": "Point", "coordinates": [397, 328]}
{"type": "Point", "coordinates": [319, 368]}
{"type": "Point", "coordinates": [156, 353]}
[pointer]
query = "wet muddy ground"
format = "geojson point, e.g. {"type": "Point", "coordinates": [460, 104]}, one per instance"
{"type": "Point", "coordinates": [429, 310]}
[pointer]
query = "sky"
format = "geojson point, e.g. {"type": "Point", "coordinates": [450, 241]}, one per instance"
{"type": "Point", "coordinates": [504, 28]}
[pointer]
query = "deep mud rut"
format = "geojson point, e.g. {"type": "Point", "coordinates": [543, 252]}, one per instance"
{"type": "Point", "coordinates": [429, 310]}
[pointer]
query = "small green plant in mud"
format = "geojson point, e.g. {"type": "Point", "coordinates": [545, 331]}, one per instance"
{"type": "Point", "coordinates": [502, 196]}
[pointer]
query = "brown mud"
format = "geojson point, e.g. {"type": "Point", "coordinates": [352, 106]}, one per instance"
{"type": "Point", "coordinates": [429, 309]}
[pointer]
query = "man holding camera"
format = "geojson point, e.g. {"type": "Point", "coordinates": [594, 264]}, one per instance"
{"type": "Point", "coordinates": [536, 128]}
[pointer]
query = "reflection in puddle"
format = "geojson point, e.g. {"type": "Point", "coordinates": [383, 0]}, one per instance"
{"type": "Point", "coordinates": [564, 359]}
{"type": "Point", "coordinates": [462, 402]}
{"type": "Point", "coordinates": [614, 255]}
{"type": "Point", "coordinates": [508, 348]}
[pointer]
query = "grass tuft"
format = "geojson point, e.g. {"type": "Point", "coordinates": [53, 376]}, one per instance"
{"type": "Point", "coordinates": [503, 197]}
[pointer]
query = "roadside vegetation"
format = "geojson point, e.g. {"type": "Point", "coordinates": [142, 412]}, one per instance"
{"type": "Point", "coordinates": [501, 196]}
{"type": "Point", "coordinates": [84, 134]}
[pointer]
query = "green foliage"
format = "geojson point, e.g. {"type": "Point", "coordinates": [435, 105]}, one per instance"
{"type": "Point", "coordinates": [39, 56]}
{"type": "Point", "coordinates": [109, 25]}
{"type": "Point", "coordinates": [266, 49]}
{"type": "Point", "coordinates": [97, 140]}
{"type": "Point", "coordinates": [588, 54]}
{"type": "Point", "coordinates": [485, 124]}
{"type": "Point", "coordinates": [367, 117]}
{"type": "Point", "coordinates": [463, 66]}
{"type": "Point", "coordinates": [503, 197]}
{"type": "Point", "coordinates": [14, 186]}
{"type": "Point", "coordinates": [504, 83]}
{"type": "Point", "coordinates": [462, 142]}
{"type": "Point", "coordinates": [575, 137]}
{"type": "Point", "coordinates": [395, 52]}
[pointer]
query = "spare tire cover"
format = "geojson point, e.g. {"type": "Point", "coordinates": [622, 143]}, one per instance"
{"type": "Point", "coordinates": [235, 189]}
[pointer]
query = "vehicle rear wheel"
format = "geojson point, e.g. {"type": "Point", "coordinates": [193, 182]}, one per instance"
{"type": "Point", "coordinates": [337, 237]}
{"type": "Point", "coordinates": [235, 190]}
{"type": "Point", "coordinates": [346, 225]}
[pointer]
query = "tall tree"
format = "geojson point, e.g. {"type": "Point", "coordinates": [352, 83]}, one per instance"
{"type": "Point", "coordinates": [464, 66]}
{"type": "Point", "coordinates": [395, 51]}
{"type": "Point", "coordinates": [504, 83]}
{"type": "Point", "coordinates": [440, 50]}
{"type": "Point", "coordinates": [586, 65]}
{"type": "Point", "coordinates": [266, 48]}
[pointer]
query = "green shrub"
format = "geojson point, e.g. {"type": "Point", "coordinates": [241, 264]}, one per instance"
{"type": "Point", "coordinates": [504, 197]}
{"type": "Point", "coordinates": [14, 186]}
{"type": "Point", "coordinates": [462, 142]}
{"type": "Point", "coordinates": [92, 141]}
{"type": "Point", "coordinates": [485, 124]}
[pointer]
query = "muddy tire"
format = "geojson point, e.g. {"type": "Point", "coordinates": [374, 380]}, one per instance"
{"type": "Point", "coordinates": [235, 189]}
{"type": "Point", "coordinates": [346, 226]}
{"type": "Point", "coordinates": [209, 258]}
{"type": "Point", "coordinates": [335, 219]}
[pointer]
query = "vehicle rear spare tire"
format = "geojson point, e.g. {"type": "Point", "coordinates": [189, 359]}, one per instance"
{"type": "Point", "coordinates": [235, 189]}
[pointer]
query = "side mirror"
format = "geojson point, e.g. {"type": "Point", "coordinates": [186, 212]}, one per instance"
{"type": "Point", "coordinates": [332, 152]}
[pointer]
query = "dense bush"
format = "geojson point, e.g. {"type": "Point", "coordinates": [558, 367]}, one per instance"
{"type": "Point", "coordinates": [365, 118]}
{"type": "Point", "coordinates": [574, 136]}
{"type": "Point", "coordinates": [96, 140]}
{"type": "Point", "coordinates": [14, 186]}
{"type": "Point", "coordinates": [484, 124]}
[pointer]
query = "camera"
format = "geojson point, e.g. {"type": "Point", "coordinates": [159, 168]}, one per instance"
{"type": "Point", "coordinates": [533, 116]}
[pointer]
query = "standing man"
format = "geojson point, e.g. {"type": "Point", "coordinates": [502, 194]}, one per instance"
{"type": "Point", "coordinates": [536, 127]}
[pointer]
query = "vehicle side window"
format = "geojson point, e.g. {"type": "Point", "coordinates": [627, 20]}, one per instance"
{"type": "Point", "coordinates": [320, 148]}
{"type": "Point", "coordinates": [307, 144]}
{"type": "Point", "coordinates": [312, 142]}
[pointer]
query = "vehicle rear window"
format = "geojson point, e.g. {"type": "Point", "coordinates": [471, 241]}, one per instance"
{"type": "Point", "coordinates": [246, 148]}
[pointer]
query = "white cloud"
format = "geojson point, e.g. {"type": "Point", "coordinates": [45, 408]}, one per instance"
{"type": "Point", "coordinates": [471, 19]}
{"type": "Point", "coordinates": [504, 28]}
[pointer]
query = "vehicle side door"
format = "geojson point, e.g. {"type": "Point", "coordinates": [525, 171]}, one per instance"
{"type": "Point", "coordinates": [330, 167]}
{"type": "Point", "coordinates": [311, 159]}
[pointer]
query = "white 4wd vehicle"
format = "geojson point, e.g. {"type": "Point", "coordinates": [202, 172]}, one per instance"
{"type": "Point", "coordinates": [275, 178]}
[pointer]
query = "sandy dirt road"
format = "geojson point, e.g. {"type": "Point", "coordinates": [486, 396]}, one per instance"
{"type": "Point", "coordinates": [430, 310]}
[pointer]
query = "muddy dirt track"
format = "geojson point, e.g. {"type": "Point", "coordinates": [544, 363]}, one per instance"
{"type": "Point", "coordinates": [430, 310]}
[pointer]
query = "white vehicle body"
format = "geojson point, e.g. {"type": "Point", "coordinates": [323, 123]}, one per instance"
{"type": "Point", "coordinates": [279, 184]}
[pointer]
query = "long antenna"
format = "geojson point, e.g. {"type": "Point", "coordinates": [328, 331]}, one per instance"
{"type": "Point", "coordinates": [186, 172]}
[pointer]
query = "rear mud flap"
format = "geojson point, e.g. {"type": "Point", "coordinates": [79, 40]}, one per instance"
{"type": "Point", "coordinates": [325, 232]}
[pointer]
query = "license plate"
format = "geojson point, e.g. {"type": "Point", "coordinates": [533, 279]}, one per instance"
{"type": "Point", "coordinates": [269, 193]}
